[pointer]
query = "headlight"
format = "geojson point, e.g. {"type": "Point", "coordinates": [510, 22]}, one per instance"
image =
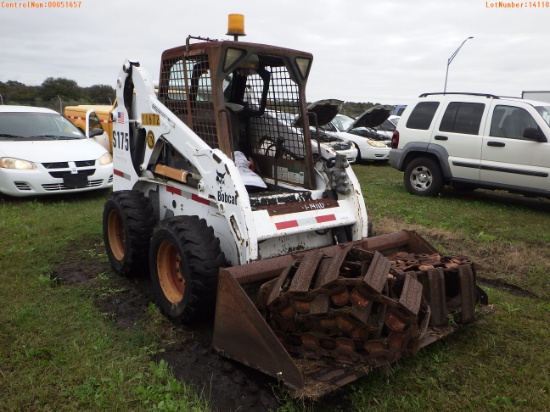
{"type": "Point", "coordinates": [106, 159]}
{"type": "Point", "coordinates": [17, 164]}
{"type": "Point", "coordinates": [376, 143]}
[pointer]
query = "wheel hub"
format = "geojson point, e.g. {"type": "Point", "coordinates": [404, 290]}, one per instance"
{"type": "Point", "coordinates": [421, 178]}
{"type": "Point", "coordinates": [171, 279]}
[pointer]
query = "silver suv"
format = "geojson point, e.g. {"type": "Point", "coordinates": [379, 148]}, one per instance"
{"type": "Point", "coordinates": [473, 140]}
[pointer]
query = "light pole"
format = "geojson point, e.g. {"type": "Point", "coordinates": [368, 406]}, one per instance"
{"type": "Point", "coordinates": [451, 59]}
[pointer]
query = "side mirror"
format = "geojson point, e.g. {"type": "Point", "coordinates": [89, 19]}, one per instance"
{"type": "Point", "coordinates": [534, 133]}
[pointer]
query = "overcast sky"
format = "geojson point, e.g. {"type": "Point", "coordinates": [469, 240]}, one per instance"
{"type": "Point", "coordinates": [364, 51]}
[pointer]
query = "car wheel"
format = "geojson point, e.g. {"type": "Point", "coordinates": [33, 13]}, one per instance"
{"type": "Point", "coordinates": [185, 257]}
{"type": "Point", "coordinates": [423, 177]}
{"type": "Point", "coordinates": [359, 159]}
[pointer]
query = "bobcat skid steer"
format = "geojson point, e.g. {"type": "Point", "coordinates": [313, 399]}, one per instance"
{"type": "Point", "coordinates": [241, 216]}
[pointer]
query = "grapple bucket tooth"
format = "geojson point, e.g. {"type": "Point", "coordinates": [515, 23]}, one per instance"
{"type": "Point", "coordinates": [411, 296]}
{"type": "Point", "coordinates": [436, 296]}
{"type": "Point", "coordinates": [277, 287]}
{"type": "Point", "coordinates": [467, 293]}
{"type": "Point", "coordinates": [320, 305]}
{"type": "Point", "coordinates": [301, 281]}
{"type": "Point", "coordinates": [329, 268]}
{"type": "Point", "coordinates": [377, 272]}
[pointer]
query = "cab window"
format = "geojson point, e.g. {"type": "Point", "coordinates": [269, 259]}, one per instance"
{"type": "Point", "coordinates": [95, 123]}
{"type": "Point", "coordinates": [511, 122]}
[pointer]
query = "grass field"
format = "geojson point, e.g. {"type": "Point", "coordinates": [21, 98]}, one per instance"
{"type": "Point", "coordinates": [59, 353]}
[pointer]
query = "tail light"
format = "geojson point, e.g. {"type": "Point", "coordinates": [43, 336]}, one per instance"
{"type": "Point", "coordinates": [395, 139]}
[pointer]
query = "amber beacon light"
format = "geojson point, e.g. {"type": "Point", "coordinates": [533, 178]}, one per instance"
{"type": "Point", "coordinates": [235, 26]}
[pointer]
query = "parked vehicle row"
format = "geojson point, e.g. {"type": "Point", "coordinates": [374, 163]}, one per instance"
{"type": "Point", "coordinates": [466, 140]}
{"type": "Point", "coordinates": [42, 152]}
{"type": "Point", "coordinates": [361, 132]}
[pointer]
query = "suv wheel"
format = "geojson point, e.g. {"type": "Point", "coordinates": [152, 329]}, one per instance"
{"type": "Point", "coordinates": [423, 177]}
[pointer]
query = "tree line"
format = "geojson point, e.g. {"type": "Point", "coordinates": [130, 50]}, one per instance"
{"type": "Point", "coordinates": [54, 90]}
{"type": "Point", "coordinates": [356, 109]}
{"type": "Point", "coordinates": [59, 92]}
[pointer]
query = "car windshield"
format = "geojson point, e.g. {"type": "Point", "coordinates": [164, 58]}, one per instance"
{"type": "Point", "coordinates": [342, 122]}
{"type": "Point", "coordinates": [544, 112]}
{"type": "Point", "coordinates": [37, 126]}
{"type": "Point", "coordinates": [387, 125]}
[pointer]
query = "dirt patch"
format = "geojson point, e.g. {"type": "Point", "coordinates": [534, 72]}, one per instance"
{"type": "Point", "coordinates": [69, 273]}
{"type": "Point", "coordinates": [230, 386]}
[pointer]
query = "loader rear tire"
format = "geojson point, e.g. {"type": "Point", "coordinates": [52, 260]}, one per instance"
{"type": "Point", "coordinates": [185, 257]}
{"type": "Point", "coordinates": [128, 221]}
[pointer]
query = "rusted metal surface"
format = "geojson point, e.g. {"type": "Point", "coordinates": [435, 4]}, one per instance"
{"type": "Point", "coordinates": [242, 334]}
{"type": "Point", "coordinates": [386, 244]}
{"type": "Point", "coordinates": [435, 279]}
{"type": "Point", "coordinates": [292, 205]}
{"type": "Point", "coordinates": [377, 272]}
{"type": "Point", "coordinates": [320, 319]}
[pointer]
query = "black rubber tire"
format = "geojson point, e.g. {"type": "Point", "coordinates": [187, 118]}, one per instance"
{"type": "Point", "coordinates": [423, 177]}
{"type": "Point", "coordinates": [185, 257]}
{"type": "Point", "coordinates": [358, 160]}
{"type": "Point", "coordinates": [128, 221]}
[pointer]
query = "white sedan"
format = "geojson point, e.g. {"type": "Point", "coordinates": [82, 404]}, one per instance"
{"type": "Point", "coordinates": [43, 153]}
{"type": "Point", "coordinates": [360, 131]}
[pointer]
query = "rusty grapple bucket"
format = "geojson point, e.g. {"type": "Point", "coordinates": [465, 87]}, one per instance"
{"type": "Point", "coordinates": [320, 319]}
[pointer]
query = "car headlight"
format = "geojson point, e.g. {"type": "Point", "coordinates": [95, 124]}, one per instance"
{"type": "Point", "coordinates": [106, 159]}
{"type": "Point", "coordinates": [376, 143]}
{"type": "Point", "coordinates": [17, 164]}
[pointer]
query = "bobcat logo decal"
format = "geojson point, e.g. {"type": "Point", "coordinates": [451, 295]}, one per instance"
{"type": "Point", "coordinates": [220, 178]}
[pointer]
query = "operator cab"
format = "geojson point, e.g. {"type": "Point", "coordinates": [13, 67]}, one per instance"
{"type": "Point", "coordinates": [235, 96]}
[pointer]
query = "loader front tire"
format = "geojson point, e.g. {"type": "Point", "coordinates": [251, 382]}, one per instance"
{"type": "Point", "coordinates": [185, 257]}
{"type": "Point", "coordinates": [128, 221]}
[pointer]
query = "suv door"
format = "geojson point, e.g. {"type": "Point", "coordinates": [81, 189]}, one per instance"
{"type": "Point", "coordinates": [459, 133]}
{"type": "Point", "coordinates": [508, 158]}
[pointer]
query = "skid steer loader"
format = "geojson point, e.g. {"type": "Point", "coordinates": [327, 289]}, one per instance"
{"type": "Point", "coordinates": [238, 215]}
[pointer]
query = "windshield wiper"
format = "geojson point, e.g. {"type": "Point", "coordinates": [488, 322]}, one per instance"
{"type": "Point", "coordinates": [9, 135]}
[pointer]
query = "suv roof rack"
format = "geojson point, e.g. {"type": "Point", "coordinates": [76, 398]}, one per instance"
{"type": "Point", "coordinates": [489, 96]}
